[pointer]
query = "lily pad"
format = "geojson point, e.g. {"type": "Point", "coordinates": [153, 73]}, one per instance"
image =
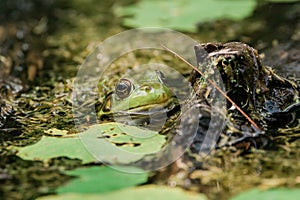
{"type": "Point", "coordinates": [272, 194]}
{"type": "Point", "coordinates": [109, 142]}
{"type": "Point", "coordinates": [183, 15]}
{"type": "Point", "coordinates": [101, 179]}
{"type": "Point", "coordinates": [148, 192]}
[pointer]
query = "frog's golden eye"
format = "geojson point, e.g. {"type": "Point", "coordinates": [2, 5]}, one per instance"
{"type": "Point", "coordinates": [123, 88]}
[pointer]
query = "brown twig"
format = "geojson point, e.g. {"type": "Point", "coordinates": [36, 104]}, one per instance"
{"type": "Point", "coordinates": [217, 87]}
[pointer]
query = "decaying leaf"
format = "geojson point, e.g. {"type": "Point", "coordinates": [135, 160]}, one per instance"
{"type": "Point", "coordinates": [148, 192]}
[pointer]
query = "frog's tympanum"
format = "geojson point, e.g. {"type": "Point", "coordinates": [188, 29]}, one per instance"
{"type": "Point", "coordinates": [262, 94]}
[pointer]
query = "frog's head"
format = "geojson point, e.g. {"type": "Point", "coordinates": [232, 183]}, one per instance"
{"type": "Point", "coordinates": [134, 101]}
{"type": "Point", "coordinates": [238, 65]}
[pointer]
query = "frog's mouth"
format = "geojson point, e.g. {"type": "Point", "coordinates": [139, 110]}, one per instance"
{"type": "Point", "coordinates": [150, 109]}
{"type": "Point", "coordinates": [151, 117]}
{"type": "Point", "coordinates": [143, 114]}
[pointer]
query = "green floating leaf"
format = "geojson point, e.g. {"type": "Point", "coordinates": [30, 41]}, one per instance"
{"type": "Point", "coordinates": [272, 194]}
{"type": "Point", "coordinates": [148, 192]}
{"type": "Point", "coordinates": [117, 143]}
{"type": "Point", "coordinates": [52, 147]}
{"type": "Point", "coordinates": [101, 179]}
{"type": "Point", "coordinates": [183, 15]}
{"type": "Point", "coordinates": [110, 142]}
{"type": "Point", "coordinates": [129, 138]}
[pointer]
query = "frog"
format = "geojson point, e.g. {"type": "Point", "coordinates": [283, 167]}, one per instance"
{"type": "Point", "coordinates": [137, 101]}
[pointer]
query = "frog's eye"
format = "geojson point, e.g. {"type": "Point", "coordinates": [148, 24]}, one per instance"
{"type": "Point", "coordinates": [123, 88]}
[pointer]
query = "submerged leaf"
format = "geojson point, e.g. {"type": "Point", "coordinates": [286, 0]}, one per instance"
{"type": "Point", "coordinates": [101, 179]}
{"type": "Point", "coordinates": [274, 194]}
{"type": "Point", "coordinates": [183, 15]}
{"type": "Point", "coordinates": [282, 1]}
{"type": "Point", "coordinates": [148, 192]}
